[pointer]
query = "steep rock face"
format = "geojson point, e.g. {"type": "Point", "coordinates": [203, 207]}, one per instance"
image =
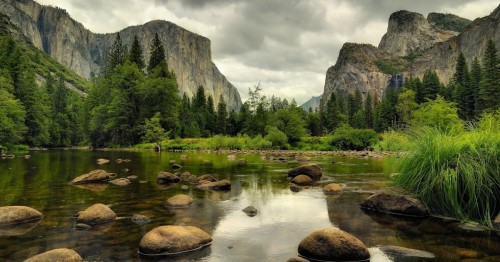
{"type": "Point", "coordinates": [411, 32]}
{"type": "Point", "coordinates": [442, 57]}
{"type": "Point", "coordinates": [356, 69]}
{"type": "Point", "coordinates": [189, 55]}
{"type": "Point", "coordinates": [448, 21]}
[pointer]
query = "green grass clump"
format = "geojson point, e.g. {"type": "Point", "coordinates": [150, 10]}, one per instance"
{"type": "Point", "coordinates": [456, 174]}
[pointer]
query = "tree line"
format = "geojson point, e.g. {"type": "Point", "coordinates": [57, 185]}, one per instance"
{"type": "Point", "coordinates": [134, 101]}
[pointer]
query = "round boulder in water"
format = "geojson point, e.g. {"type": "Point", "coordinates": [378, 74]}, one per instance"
{"type": "Point", "coordinates": [332, 188]}
{"type": "Point", "coordinates": [333, 244]}
{"type": "Point", "coordinates": [60, 254]}
{"type": "Point", "coordinates": [302, 180]}
{"type": "Point", "coordinates": [171, 240]}
{"type": "Point", "coordinates": [96, 214]}
{"type": "Point", "coordinates": [10, 215]}
{"type": "Point", "coordinates": [180, 200]}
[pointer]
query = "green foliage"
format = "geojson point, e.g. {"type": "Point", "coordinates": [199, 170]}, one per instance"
{"type": "Point", "coordinates": [448, 21]}
{"type": "Point", "coordinates": [348, 138]}
{"type": "Point", "coordinates": [406, 105]}
{"type": "Point", "coordinates": [438, 114]}
{"type": "Point", "coordinates": [117, 55]}
{"type": "Point", "coordinates": [278, 139]}
{"type": "Point", "coordinates": [12, 116]}
{"type": "Point", "coordinates": [392, 66]}
{"type": "Point", "coordinates": [455, 174]}
{"type": "Point", "coordinates": [489, 91]}
{"type": "Point", "coordinates": [291, 122]}
{"type": "Point", "coordinates": [157, 54]}
{"type": "Point", "coordinates": [135, 55]}
{"type": "Point", "coordinates": [153, 131]}
{"type": "Point", "coordinates": [395, 142]}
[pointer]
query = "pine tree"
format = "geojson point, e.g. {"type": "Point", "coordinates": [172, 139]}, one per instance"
{"type": "Point", "coordinates": [368, 109]}
{"type": "Point", "coordinates": [463, 93]}
{"type": "Point", "coordinates": [475, 84]}
{"type": "Point", "coordinates": [117, 55]}
{"type": "Point", "coordinates": [489, 91]}
{"type": "Point", "coordinates": [430, 85]}
{"type": "Point", "coordinates": [135, 55]}
{"type": "Point", "coordinates": [333, 114]}
{"type": "Point", "coordinates": [211, 116]}
{"type": "Point", "coordinates": [221, 122]}
{"type": "Point", "coordinates": [157, 54]}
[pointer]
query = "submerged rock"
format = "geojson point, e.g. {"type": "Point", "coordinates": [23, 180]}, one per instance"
{"type": "Point", "coordinates": [302, 180]}
{"type": "Point", "coordinates": [295, 188]}
{"type": "Point", "coordinates": [223, 184]}
{"type": "Point", "coordinates": [333, 244]}
{"type": "Point", "coordinates": [390, 202]}
{"type": "Point", "coordinates": [59, 255]}
{"type": "Point", "coordinates": [311, 170]}
{"type": "Point", "coordinates": [185, 175]}
{"type": "Point", "coordinates": [81, 226]}
{"type": "Point", "coordinates": [405, 252]}
{"type": "Point", "coordinates": [95, 176]}
{"type": "Point", "coordinates": [203, 179]}
{"type": "Point", "coordinates": [11, 215]}
{"type": "Point", "coordinates": [140, 219]}
{"type": "Point", "coordinates": [297, 259]}
{"type": "Point", "coordinates": [18, 229]}
{"type": "Point", "coordinates": [167, 177]}
{"type": "Point", "coordinates": [120, 182]}
{"type": "Point", "coordinates": [251, 211]}
{"type": "Point", "coordinates": [102, 161]}
{"type": "Point", "coordinates": [176, 166]}
{"type": "Point", "coordinates": [169, 240]}
{"type": "Point", "coordinates": [96, 214]}
{"type": "Point", "coordinates": [332, 188]}
{"type": "Point", "coordinates": [180, 200]}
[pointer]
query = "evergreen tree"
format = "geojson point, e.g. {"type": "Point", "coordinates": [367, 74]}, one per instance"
{"type": "Point", "coordinates": [333, 114]}
{"type": "Point", "coordinates": [117, 55]}
{"type": "Point", "coordinates": [211, 116]}
{"type": "Point", "coordinates": [199, 107]}
{"type": "Point", "coordinates": [489, 91]}
{"type": "Point", "coordinates": [221, 122]}
{"type": "Point", "coordinates": [135, 55]}
{"type": "Point", "coordinates": [157, 54]}
{"type": "Point", "coordinates": [368, 109]}
{"type": "Point", "coordinates": [430, 86]}
{"type": "Point", "coordinates": [314, 123]}
{"type": "Point", "coordinates": [185, 115]}
{"type": "Point", "coordinates": [463, 93]}
{"type": "Point", "coordinates": [475, 84]}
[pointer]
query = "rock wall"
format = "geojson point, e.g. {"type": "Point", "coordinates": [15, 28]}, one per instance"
{"type": "Point", "coordinates": [188, 55]}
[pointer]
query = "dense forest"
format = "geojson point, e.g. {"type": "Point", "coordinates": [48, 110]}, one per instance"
{"type": "Point", "coordinates": [134, 101]}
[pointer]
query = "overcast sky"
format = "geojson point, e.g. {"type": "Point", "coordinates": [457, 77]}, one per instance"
{"type": "Point", "coordinates": [287, 45]}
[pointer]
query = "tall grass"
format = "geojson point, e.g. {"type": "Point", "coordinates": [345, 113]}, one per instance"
{"type": "Point", "coordinates": [456, 174]}
{"type": "Point", "coordinates": [395, 141]}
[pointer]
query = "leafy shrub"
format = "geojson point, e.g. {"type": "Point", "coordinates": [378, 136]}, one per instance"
{"type": "Point", "coordinates": [439, 114]}
{"type": "Point", "coordinates": [348, 138]}
{"type": "Point", "coordinates": [258, 143]}
{"type": "Point", "coordinates": [394, 141]}
{"type": "Point", "coordinates": [277, 138]}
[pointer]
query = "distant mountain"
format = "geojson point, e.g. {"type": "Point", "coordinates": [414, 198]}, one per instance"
{"type": "Point", "coordinates": [411, 45]}
{"type": "Point", "coordinates": [52, 30]}
{"type": "Point", "coordinates": [312, 103]}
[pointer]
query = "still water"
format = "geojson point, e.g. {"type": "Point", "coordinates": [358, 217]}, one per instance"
{"type": "Point", "coordinates": [284, 217]}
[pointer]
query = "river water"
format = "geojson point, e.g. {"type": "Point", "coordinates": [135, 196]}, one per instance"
{"type": "Point", "coordinates": [284, 217]}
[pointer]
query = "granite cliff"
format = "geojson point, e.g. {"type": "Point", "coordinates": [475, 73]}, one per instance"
{"type": "Point", "coordinates": [411, 45]}
{"type": "Point", "coordinates": [312, 103]}
{"type": "Point", "coordinates": [52, 30]}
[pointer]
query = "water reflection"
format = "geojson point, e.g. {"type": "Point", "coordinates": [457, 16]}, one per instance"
{"type": "Point", "coordinates": [284, 217]}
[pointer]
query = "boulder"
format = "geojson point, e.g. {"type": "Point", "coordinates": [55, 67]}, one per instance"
{"type": "Point", "coordinates": [251, 211]}
{"type": "Point", "coordinates": [176, 166]}
{"type": "Point", "coordinates": [385, 201]}
{"type": "Point", "coordinates": [102, 161]}
{"type": "Point", "coordinates": [405, 252]}
{"type": "Point", "coordinates": [95, 176]}
{"type": "Point", "coordinates": [81, 226]}
{"type": "Point", "coordinates": [223, 184]}
{"type": "Point", "coordinates": [333, 244]}
{"type": "Point", "coordinates": [11, 215]}
{"type": "Point", "coordinates": [120, 182]}
{"type": "Point", "coordinates": [496, 222]}
{"type": "Point", "coordinates": [167, 177]}
{"type": "Point", "coordinates": [96, 214]}
{"type": "Point", "coordinates": [166, 240]}
{"type": "Point", "coordinates": [332, 188]}
{"type": "Point", "coordinates": [132, 177]}
{"type": "Point", "coordinates": [185, 175]}
{"type": "Point", "coordinates": [295, 188]}
{"type": "Point", "coordinates": [203, 179]}
{"type": "Point", "coordinates": [311, 170]}
{"type": "Point", "coordinates": [178, 201]}
{"type": "Point", "coordinates": [140, 219]}
{"type": "Point", "coordinates": [59, 255]}
{"type": "Point", "coordinates": [302, 180]}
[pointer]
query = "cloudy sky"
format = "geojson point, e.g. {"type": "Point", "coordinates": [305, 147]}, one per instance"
{"type": "Point", "coordinates": [286, 45]}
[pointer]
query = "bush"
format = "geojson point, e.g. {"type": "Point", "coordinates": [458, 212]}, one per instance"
{"type": "Point", "coordinates": [455, 174]}
{"type": "Point", "coordinates": [348, 138]}
{"type": "Point", "coordinates": [258, 143]}
{"type": "Point", "coordinates": [394, 141]}
{"type": "Point", "coordinates": [277, 138]}
{"type": "Point", "coordinates": [438, 114]}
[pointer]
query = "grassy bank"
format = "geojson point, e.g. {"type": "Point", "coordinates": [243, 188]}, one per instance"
{"type": "Point", "coordinates": [456, 174]}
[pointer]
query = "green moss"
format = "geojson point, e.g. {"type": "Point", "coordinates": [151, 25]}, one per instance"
{"type": "Point", "coordinates": [392, 66]}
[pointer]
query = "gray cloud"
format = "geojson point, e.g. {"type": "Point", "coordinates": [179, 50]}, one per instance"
{"type": "Point", "coordinates": [286, 44]}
